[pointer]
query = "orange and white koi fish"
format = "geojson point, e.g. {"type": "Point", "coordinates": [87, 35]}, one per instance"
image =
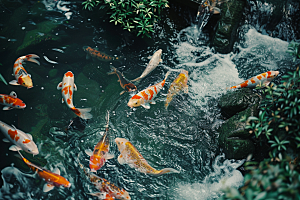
{"type": "Point", "coordinates": [155, 60]}
{"type": "Point", "coordinates": [22, 141]}
{"type": "Point", "coordinates": [52, 178]}
{"type": "Point", "coordinates": [125, 84]}
{"type": "Point", "coordinates": [21, 75]}
{"type": "Point", "coordinates": [67, 87]}
{"type": "Point", "coordinates": [263, 79]}
{"type": "Point", "coordinates": [100, 153]}
{"type": "Point", "coordinates": [180, 83]}
{"type": "Point", "coordinates": [131, 156]}
{"type": "Point", "coordinates": [11, 101]}
{"type": "Point", "coordinates": [108, 191]}
{"type": "Point", "coordinates": [147, 95]}
{"type": "Point", "coordinates": [90, 52]}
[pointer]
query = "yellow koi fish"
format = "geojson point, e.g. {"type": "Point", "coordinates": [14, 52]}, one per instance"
{"type": "Point", "coordinates": [131, 156]}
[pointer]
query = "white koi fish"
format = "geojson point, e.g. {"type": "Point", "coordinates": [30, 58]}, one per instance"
{"type": "Point", "coordinates": [11, 101]}
{"type": "Point", "coordinates": [263, 79]}
{"type": "Point", "coordinates": [21, 75]}
{"type": "Point", "coordinates": [67, 86]}
{"type": "Point", "coordinates": [22, 141]}
{"type": "Point", "coordinates": [155, 59]}
{"type": "Point", "coordinates": [131, 156]}
{"type": "Point", "coordinates": [147, 95]}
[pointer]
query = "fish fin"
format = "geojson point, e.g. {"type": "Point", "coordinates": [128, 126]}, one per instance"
{"type": "Point", "coordinates": [47, 187]}
{"type": "Point", "coordinates": [84, 113]}
{"type": "Point", "coordinates": [56, 171]}
{"type": "Point", "coordinates": [32, 58]}
{"type": "Point", "coordinates": [109, 156]}
{"type": "Point", "coordinates": [186, 89]}
{"type": "Point", "coordinates": [75, 87]}
{"type": "Point", "coordinates": [113, 70]}
{"type": "Point", "coordinates": [14, 148]}
{"type": "Point", "coordinates": [137, 79]}
{"type": "Point", "coordinates": [13, 93]}
{"type": "Point", "coordinates": [227, 88]}
{"type": "Point", "coordinates": [266, 83]}
{"type": "Point", "coordinates": [62, 100]}
{"type": "Point", "coordinates": [100, 195]}
{"type": "Point", "coordinates": [147, 105]}
{"type": "Point", "coordinates": [14, 82]}
{"type": "Point", "coordinates": [88, 152]}
{"type": "Point", "coordinates": [216, 11]}
{"type": "Point", "coordinates": [160, 60]}
{"type": "Point", "coordinates": [7, 108]}
{"type": "Point", "coordinates": [59, 86]}
{"type": "Point", "coordinates": [167, 171]}
{"type": "Point", "coordinates": [87, 56]}
{"type": "Point", "coordinates": [5, 140]}
{"type": "Point", "coordinates": [149, 57]}
{"type": "Point", "coordinates": [122, 92]}
{"type": "Point", "coordinates": [121, 160]}
{"type": "Point", "coordinates": [29, 135]}
{"type": "Point", "coordinates": [152, 102]}
{"type": "Point", "coordinates": [167, 74]}
{"type": "Point", "coordinates": [29, 75]}
{"type": "Point", "coordinates": [14, 127]}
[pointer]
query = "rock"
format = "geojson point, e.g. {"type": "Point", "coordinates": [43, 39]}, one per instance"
{"type": "Point", "coordinates": [225, 35]}
{"type": "Point", "coordinates": [236, 101]}
{"type": "Point", "coordinates": [234, 138]}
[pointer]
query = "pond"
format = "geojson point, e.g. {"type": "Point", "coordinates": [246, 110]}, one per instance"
{"type": "Point", "coordinates": [182, 137]}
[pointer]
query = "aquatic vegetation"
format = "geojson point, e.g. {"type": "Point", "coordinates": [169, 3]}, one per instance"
{"type": "Point", "coordinates": [294, 50]}
{"type": "Point", "coordinates": [2, 78]}
{"type": "Point", "coordinates": [134, 15]}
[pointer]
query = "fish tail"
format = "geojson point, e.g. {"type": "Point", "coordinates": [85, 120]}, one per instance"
{"type": "Point", "coordinates": [138, 79]}
{"type": "Point", "coordinates": [113, 70]}
{"type": "Point", "coordinates": [83, 113]}
{"type": "Point", "coordinates": [107, 121]}
{"type": "Point", "coordinates": [228, 88]}
{"type": "Point", "coordinates": [167, 74]}
{"type": "Point", "coordinates": [31, 58]}
{"type": "Point", "coordinates": [167, 171]}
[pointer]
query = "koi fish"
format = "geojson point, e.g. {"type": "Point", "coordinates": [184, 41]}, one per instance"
{"type": "Point", "coordinates": [52, 178]}
{"type": "Point", "coordinates": [11, 101]}
{"type": "Point", "coordinates": [125, 84]}
{"type": "Point", "coordinates": [155, 59]}
{"type": "Point", "coordinates": [67, 86]}
{"type": "Point", "coordinates": [180, 83]}
{"type": "Point", "coordinates": [263, 79]}
{"type": "Point", "coordinates": [131, 156]}
{"type": "Point", "coordinates": [147, 95]}
{"type": "Point", "coordinates": [22, 141]}
{"type": "Point", "coordinates": [90, 52]}
{"type": "Point", "coordinates": [108, 191]}
{"type": "Point", "coordinates": [100, 153]}
{"type": "Point", "coordinates": [21, 75]}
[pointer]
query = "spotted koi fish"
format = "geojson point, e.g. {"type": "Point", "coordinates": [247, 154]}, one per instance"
{"type": "Point", "coordinates": [11, 101]}
{"type": "Point", "coordinates": [263, 79]}
{"type": "Point", "coordinates": [180, 83]}
{"type": "Point", "coordinates": [67, 86]}
{"type": "Point", "coordinates": [21, 75]}
{"type": "Point", "coordinates": [131, 156]}
{"type": "Point", "coordinates": [108, 191]}
{"type": "Point", "coordinates": [22, 141]}
{"type": "Point", "coordinates": [90, 52]}
{"type": "Point", "coordinates": [100, 154]}
{"type": "Point", "coordinates": [125, 84]}
{"type": "Point", "coordinates": [147, 95]}
{"type": "Point", "coordinates": [52, 178]}
{"type": "Point", "coordinates": [153, 63]}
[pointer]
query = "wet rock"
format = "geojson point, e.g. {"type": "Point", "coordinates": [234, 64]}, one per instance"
{"type": "Point", "coordinates": [226, 32]}
{"type": "Point", "coordinates": [235, 101]}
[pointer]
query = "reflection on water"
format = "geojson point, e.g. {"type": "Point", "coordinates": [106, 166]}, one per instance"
{"type": "Point", "coordinates": [183, 137]}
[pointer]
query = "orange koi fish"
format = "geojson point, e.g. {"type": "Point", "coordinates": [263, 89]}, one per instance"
{"type": "Point", "coordinates": [147, 95]}
{"type": "Point", "coordinates": [90, 52]}
{"type": "Point", "coordinates": [11, 101]}
{"type": "Point", "coordinates": [125, 84]}
{"type": "Point", "coordinates": [263, 79]}
{"type": "Point", "coordinates": [21, 75]}
{"type": "Point", "coordinates": [52, 178]}
{"type": "Point", "coordinates": [108, 191]}
{"type": "Point", "coordinates": [22, 141]}
{"type": "Point", "coordinates": [180, 83]}
{"type": "Point", "coordinates": [131, 156]}
{"type": "Point", "coordinates": [66, 86]}
{"type": "Point", "coordinates": [100, 153]}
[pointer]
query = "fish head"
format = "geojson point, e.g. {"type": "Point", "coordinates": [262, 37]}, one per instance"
{"type": "Point", "coordinates": [30, 147]}
{"type": "Point", "coordinates": [69, 74]}
{"type": "Point", "coordinates": [273, 74]}
{"type": "Point", "coordinates": [19, 104]}
{"type": "Point", "coordinates": [159, 52]}
{"type": "Point", "coordinates": [96, 162]}
{"type": "Point", "coordinates": [25, 81]}
{"type": "Point", "coordinates": [130, 87]}
{"type": "Point", "coordinates": [121, 142]}
{"type": "Point", "coordinates": [135, 101]}
{"type": "Point", "coordinates": [63, 181]}
{"type": "Point", "coordinates": [86, 48]}
{"type": "Point", "coordinates": [124, 195]}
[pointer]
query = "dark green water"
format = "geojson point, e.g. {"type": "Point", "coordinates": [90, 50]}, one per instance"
{"type": "Point", "coordinates": [183, 137]}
